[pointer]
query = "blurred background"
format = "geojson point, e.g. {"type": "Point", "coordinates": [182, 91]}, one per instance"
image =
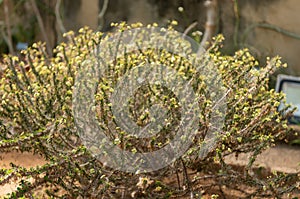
{"type": "Point", "coordinates": [266, 27]}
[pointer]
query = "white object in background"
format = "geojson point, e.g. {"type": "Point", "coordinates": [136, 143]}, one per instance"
{"type": "Point", "coordinates": [290, 85]}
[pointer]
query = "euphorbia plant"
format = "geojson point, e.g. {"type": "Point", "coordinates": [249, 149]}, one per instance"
{"type": "Point", "coordinates": [36, 115]}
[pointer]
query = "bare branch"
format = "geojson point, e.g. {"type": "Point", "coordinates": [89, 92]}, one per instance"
{"type": "Point", "coordinates": [58, 17]}
{"type": "Point", "coordinates": [102, 13]}
{"type": "Point", "coordinates": [8, 39]}
{"type": "Point", "coordinates": [210, 25]}
{"type": "Point", "coordinates": [189, 28]}
{"type": "Point", "coordinates": [41, 24]}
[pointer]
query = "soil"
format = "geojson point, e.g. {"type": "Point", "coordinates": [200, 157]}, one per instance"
{"type": "Point", "coordinates": [25, 159]}
{"type": "Point", "coordinates": [282, 158]}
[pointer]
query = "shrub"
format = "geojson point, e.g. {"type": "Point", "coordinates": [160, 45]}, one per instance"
{"type": "Point", "coordinates": [36, 115]}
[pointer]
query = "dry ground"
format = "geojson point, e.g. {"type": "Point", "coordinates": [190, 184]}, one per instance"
{"type": "Point", "coordinates": [283, 158]}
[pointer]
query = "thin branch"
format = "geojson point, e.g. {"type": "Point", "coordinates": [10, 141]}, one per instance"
{"type": "Point", "coordinates": [102, 13]}
{"type": "Point", "coordinates": [187, 179]}
{"type": "Point", "coordinates": [41, 24]}
{"type": "Point", "coordinates": [178, 179]}
{"type": "Point", "coordinates": [237, 22]}
{"type": "Point", "coordinates": [58, 17]}
{"type": "Point", "coordinates": [8, 39]}
{"type": "Point", "coordinates": [210, 25]}
{"type": "Point", "coordinates": [271, 27]}
{"type": "Point", "coordinates": [189, 28]}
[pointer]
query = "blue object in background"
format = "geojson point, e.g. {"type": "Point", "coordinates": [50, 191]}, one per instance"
{"type": "Point", "coordinates": [22, 46]}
